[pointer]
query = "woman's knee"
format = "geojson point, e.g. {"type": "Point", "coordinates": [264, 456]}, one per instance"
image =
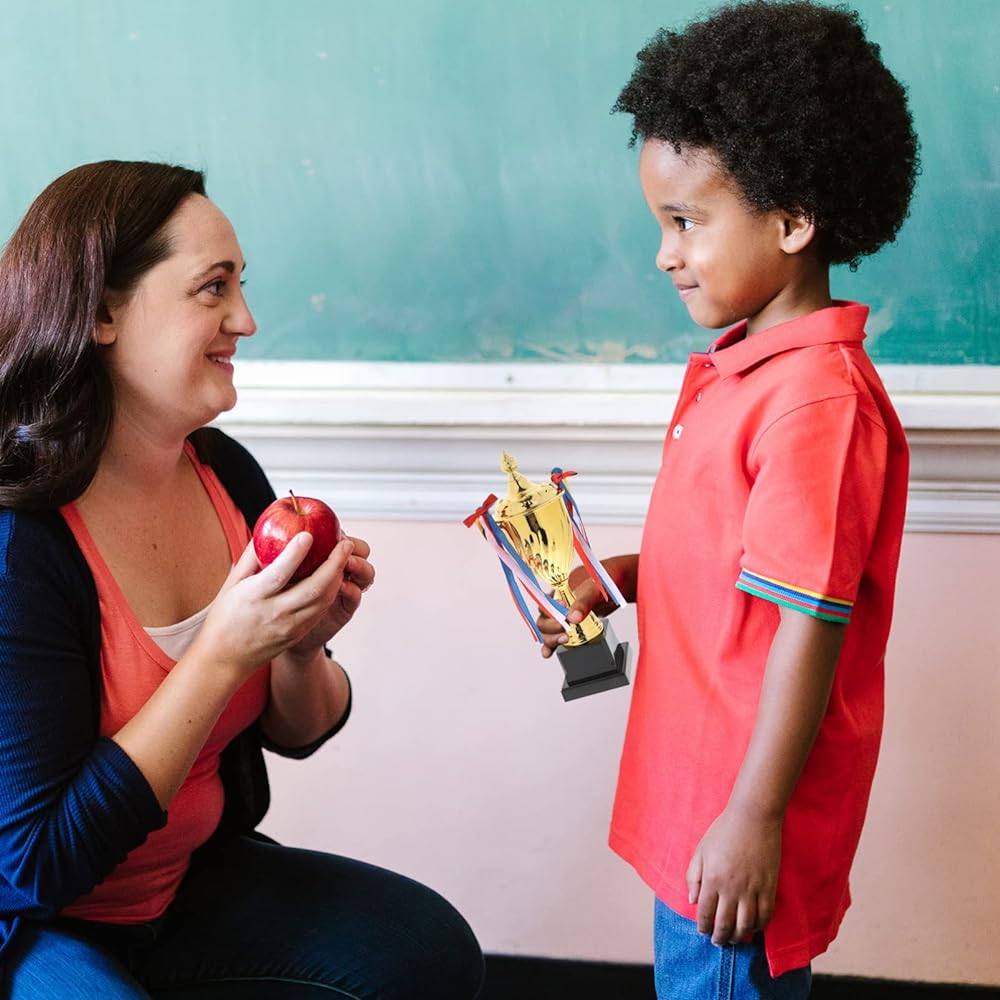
{"type": "Point", "coordinates": [453, 959]}
{"type": "Point", "coordinates": [425, 947]}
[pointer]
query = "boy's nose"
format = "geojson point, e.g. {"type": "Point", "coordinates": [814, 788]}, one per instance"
{"type": "Point", "coordinates": [667, 259]}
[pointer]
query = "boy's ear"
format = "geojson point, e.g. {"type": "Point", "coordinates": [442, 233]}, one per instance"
{"type": "Point", "coordinates": [799, 232]}
{"type": "Point", "coordinates": [105, 331]}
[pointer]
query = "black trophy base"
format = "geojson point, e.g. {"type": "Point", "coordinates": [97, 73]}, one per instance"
{"type": "Point", "coordinates": [600, 665]}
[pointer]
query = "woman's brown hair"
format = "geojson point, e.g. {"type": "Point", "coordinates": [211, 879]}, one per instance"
{"type": "Point", "coordinates": [95, 229]}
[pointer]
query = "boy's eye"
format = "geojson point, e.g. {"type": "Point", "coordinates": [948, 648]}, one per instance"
{"type": "Point", "coordinates": [682, 224]}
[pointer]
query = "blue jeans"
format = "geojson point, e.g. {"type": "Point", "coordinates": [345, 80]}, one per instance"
{"type": "Point", "coordinates": [689, 967]}
{"type": "Point", "coordinates": [261, 921]}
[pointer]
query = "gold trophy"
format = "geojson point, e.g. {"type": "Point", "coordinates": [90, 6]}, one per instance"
{"type": "Point", "coordinates": [536, 530]}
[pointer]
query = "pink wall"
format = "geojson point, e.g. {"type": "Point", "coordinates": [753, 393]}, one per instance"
{"type": "Point", "coordinates": [928, 871]}
{"type": "Point", "coordinates": [463, 767]}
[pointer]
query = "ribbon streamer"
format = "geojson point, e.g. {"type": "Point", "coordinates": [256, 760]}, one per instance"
{"type": "Point", "coordinates": [516, 571]}
{"type": "Point", "coordinates": [581, 542]}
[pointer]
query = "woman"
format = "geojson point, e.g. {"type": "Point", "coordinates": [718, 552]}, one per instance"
{"type": "Point", "coordinates": [145, 657]}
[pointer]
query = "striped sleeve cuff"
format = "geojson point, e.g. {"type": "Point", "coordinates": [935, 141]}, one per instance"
{"type": "Point", "coordinates": [829, 609]}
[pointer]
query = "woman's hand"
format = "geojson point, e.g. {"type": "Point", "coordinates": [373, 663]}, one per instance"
{"type": "Point", "coordinates": [309, 692]}
{"type": "Point", "coordinates": [254, 618]}
{"type": "Point", "coordinates": [356, 577]}
{"type": "Point", "coordinates": [257, 615]}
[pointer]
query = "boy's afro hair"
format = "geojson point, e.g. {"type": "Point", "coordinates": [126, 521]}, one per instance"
{"type": "Point", "coordinates": [799, 109]}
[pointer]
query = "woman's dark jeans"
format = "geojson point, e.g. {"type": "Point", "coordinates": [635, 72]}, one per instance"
{"type": "Point", "coordinates": [261, 921]}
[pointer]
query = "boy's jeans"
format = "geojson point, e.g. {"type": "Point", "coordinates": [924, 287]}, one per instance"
{"type": "Point", "coordinates": [689, 967]}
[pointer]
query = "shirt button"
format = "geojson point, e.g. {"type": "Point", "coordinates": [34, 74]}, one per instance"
{"type": "Point", "coordinates": [678, 431]}
{"type": "Point", "coordinates": [697, 398]}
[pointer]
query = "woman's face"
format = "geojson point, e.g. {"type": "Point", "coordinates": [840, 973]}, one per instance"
{"type": "Point", "coordinates": [170, 346]}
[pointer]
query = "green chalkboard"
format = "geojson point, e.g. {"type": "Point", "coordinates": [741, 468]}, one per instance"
{"type": "Point", "coordinates": [440, 180]}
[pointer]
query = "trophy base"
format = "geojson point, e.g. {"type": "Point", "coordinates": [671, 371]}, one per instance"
{"type": "Point", "coordinates": [599, 665]}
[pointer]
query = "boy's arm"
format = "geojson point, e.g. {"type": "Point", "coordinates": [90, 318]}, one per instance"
{"type": "Point", "coordinates": [734, 871]}
{"type": "Point", "coordinates": [624, 570]}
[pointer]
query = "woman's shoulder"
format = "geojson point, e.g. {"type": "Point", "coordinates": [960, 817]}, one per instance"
{"type": "Point", "coordinates": [32, 535]}
{"type": "Point", "coordinates": [39, 544]}
{"type": "Point", "coordinates": [43, 569]}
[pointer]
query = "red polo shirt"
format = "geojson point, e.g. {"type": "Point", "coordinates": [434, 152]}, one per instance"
{"type": "Point", "coordinates": [783, 482]}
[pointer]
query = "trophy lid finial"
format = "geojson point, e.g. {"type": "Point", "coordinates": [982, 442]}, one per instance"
{"type": "Point", "coordinates": [522, 494]}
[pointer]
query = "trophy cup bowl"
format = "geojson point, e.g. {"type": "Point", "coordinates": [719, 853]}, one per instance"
{"type": "Point", "coordinates": [534, 519]}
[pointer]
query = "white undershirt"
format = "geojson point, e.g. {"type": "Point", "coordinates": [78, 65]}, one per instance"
{"type": "Point", "coordinates": [175, 640]}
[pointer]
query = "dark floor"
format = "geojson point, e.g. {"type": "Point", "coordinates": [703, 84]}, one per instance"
{"type": "Point", "coordinates": [517, 978]}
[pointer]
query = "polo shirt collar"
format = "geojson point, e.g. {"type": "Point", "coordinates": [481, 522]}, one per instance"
{"type": "Point", "coordinates": [734, 352]}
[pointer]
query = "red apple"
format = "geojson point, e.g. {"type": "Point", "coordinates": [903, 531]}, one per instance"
{"type": "Point", "coordinates": [284, 519]}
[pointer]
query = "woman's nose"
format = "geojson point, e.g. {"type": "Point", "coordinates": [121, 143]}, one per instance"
{"type": "Point", "coordinates": [240, 320]}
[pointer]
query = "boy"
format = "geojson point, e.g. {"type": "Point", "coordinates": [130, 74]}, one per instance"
{"type": "Point", "coordinates": [775, 144]}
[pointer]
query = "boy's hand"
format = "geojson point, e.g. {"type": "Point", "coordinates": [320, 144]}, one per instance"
{"type": "Point", "coordinates": [588, 597]}
{"type": "Point", "coordinates": [734, 872]}
{"type": "Point", "coordinates": [623, 570]}
{"type": "Point", "coordinates": [733, 876]}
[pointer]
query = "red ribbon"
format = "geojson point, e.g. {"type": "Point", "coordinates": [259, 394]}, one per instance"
{"type": "Point", "coordinates": [558, 475]}
{"type": "Point", "coordinates": [479, 511]}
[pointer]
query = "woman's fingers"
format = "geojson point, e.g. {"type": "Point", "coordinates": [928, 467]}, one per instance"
{"type": "Point", "coordinates": [274, 577]}
{"type": "Point", "coordinates": [361, 547]}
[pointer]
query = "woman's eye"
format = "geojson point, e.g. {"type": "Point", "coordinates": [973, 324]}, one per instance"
{"type": "Point", "coordinates": [216, 288]}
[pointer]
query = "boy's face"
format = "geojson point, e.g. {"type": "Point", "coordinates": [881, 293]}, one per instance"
{"type": "Point", "coordinates": [727, 262]}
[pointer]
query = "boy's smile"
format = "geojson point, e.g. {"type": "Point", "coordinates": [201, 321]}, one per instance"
{"type": "Point", "coordinates": [727, 261]}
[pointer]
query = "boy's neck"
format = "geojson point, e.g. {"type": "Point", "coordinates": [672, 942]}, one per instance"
{"type": "Point", "coordinates": [798, 298]}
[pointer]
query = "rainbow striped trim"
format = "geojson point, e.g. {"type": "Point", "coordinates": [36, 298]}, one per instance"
{"type": "Point", "coordinates": [830, 609]}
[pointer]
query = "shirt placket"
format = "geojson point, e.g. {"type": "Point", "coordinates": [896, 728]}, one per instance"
{"type": "Point", "coordinates": [699, 375]}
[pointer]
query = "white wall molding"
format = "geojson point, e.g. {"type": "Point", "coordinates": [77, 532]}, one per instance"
{"type": "Point", "coordinates": [422, 441]}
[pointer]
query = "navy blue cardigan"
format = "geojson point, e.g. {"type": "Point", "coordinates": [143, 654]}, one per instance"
{"type": "Point", "coordinates": [73, 805]}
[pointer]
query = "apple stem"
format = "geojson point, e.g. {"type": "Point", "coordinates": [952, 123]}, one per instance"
{"type": "Point", "coordinates": [295, 501]}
